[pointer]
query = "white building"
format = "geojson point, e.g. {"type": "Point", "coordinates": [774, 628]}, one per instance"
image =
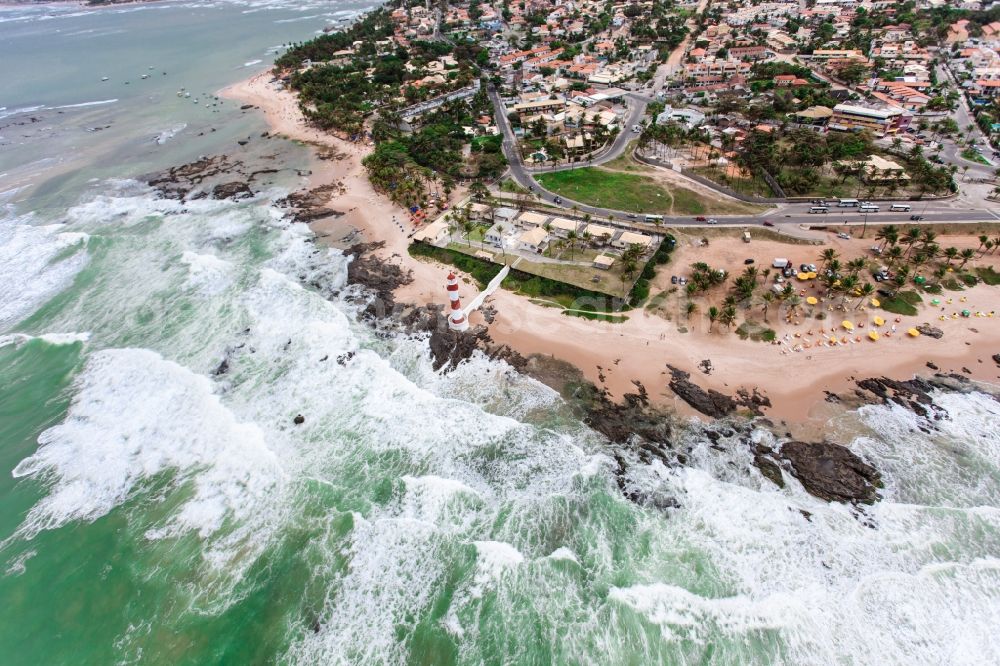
{"type": "Point", "coordinates": [690, 117]}
{"type": "Point", "coordinates": [533, 240]}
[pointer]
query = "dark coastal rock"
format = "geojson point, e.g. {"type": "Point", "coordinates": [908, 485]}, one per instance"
{"type": "Point", "coordinates": [913, 394]}
{"type": "Point", "coordinates": [763, 459]}
{"type": "Point", "coordinates": [931, 365]}
{"type": "Point", "coordinates": [832, 472]}
{"type": "Point", "coordinates": [299, 419]}
{"type": "Point", "coordinates": [996, 358]}
{"type": "Point", "coordinates": [709, 402]}
{"type": "Point", "coordinates": [632, 421]}
{"type": "Point", "coordinates": [376, 275]}
{"type": "Point", "coordinates": [232, 190]}
{"type": "Point", "coordinates": [932, 331]}
{"type": "Point", "coordinates": [222, 368]}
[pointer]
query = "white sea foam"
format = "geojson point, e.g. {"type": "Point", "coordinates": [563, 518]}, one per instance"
{"type": "Point", "coordinates": [563, 553]}
{"type": "Point", "coordinates": [168, 134]}
{"type": "Point", "coordinates": [36, 262]}
{"type": "Point", "coordinates": [207, 273]}
{"type": "Point", "coordinates": [251, 63]}
{"type": "Point", "coordinates": [18, 339]}
{"type": "Point", "coordinates": [136, 416]}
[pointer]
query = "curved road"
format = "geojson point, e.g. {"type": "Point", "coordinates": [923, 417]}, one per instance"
{"type": "Point", "coordinates": [792, 213]}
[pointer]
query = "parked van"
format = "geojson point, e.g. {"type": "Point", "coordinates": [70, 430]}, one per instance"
{"type": "Point", "coordinates": [779, 263]}
{"type": "Point", "coordinates": [904, 208]}
{"type": "Point", "coordinates": [819, 209]}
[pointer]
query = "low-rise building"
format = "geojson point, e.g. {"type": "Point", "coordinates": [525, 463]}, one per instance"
{"type": "Point", "coordinates": [879, 121]}
{"type": "Point", "coordinates": [599, 233]}
{"type": "Point", "coordinates": [435, 233]}
{"type": "Point", "coordinates": [627, 238]}
{"type": "Point", "coordinates": [533, 240]}
{"type": "Point", "coordinates": [604, 262]}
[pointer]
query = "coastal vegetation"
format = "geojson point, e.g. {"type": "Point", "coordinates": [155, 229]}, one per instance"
{"type": "Point", "coordinates": [356, 83]}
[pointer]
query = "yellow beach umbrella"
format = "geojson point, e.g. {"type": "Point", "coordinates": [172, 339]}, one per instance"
{"type": "Point", "coordinates": [848, 325]}
{"type": "Point", "coordinates": [803, 276]}
{"type": "Point", "coordinates": [812, 300]}
{"type": "Point", "coordinates": [811, 275]}
{"type": "Point", "coordinates": [875, 302]}
{"type": "Point", "coordinates": [879, 321]}
{"type": "Point", "coordinates": [913, 332]}
{"type": "Point", "coordinates": [873, 335]}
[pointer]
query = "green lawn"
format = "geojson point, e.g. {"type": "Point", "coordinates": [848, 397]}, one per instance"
{"type": "Point", "coordinates": [621, 191]}
{"type": "Point", "coordinates": [988, 275]}
{"type": "Point", "coordinates": [903, 303]}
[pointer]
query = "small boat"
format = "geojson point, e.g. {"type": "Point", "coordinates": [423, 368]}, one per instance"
{"type": "Point", "coordinates": [105, 78]}
{"type": "Point", "coordinates": [145, 76]}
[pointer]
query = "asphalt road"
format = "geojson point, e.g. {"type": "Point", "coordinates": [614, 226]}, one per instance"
{"type": "Point", "coordinates": [786, 214]}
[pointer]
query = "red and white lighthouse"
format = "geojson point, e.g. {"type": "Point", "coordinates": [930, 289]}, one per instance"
{"type": "Point", "coordinates": [457, 320]}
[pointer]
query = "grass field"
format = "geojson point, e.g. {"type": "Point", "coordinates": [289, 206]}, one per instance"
{"type": "Point", "coordinates": [635, 191]}
{"type": "Point", "coordinates": [903, 304]}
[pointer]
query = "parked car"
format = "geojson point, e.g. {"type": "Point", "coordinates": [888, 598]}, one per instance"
{"type": "Point", "coordinates": [844, 236]}
{"type": "Point", "coordinates": [885, 293]}
{"type": "Point", "coordinates": [673, 279]}
{"type": "Point", "coordinates": [768, 223]}
{"type": "Point", "coordinates": [558, 200]}
{"type": "Point", "coordinates": [682, 281]}
{"type": "Point", "coordinates": [631, 216]}
{"type": "Point", "coordinates": [748, 261]}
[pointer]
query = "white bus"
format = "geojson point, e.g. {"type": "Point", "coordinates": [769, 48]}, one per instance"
{"type": "Point", "coordinates": [819, 209]}
{"type": "Point", "coordinates": [848, 203]}
{"type": "Point", "coordinates": [868, 208]}
{"type": "Point", "coordinates": [653, 219]}
{"type": "Point", "coordinates": [903, 208]}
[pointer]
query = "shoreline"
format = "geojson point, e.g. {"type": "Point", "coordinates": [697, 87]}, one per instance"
{"type": "Point", "coordinates": [613, 356]}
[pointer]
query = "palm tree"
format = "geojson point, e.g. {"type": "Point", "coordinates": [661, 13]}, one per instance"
{"type": "Point", "coordinates": [951, 254]}
{"type": "Point", "coordinates": [467, 227]}
{"type": "Point", "coordinates": [982, 242]}
{"type": "Point", "coordinates": [966, 254]}
{"type": "Point", "coordinates": [728, 316]}
{"type": "Point", "coordinates": [690, 308]}
{"type": "Point", "coordinates": [500, 230]}
{"type": "Point", "coordinates": [867, 289]}
{"type": "Point", "coordinates": [910, 238]}
{"type": "Point", "coordinates": [894, 254]}
{"type": "Point", "coordinates": [856, 265]}
{"type": "Point", "coordinates": [768, 298]}
{"type": "Point", "coordinates": [828, 255]}
{"type": "Point", "coordinates": [713, 315]}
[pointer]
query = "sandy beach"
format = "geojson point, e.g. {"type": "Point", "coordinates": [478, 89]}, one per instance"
{"type": "Point", "coordinates": [794, 374]}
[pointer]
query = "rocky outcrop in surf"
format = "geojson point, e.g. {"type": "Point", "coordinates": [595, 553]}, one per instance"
{"type": "Point", "coordinates": [711, 402]}
{"type": "Point", "coordinates": [216, 176]}
{"type": "Point", "coordinates": [831, 472]}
